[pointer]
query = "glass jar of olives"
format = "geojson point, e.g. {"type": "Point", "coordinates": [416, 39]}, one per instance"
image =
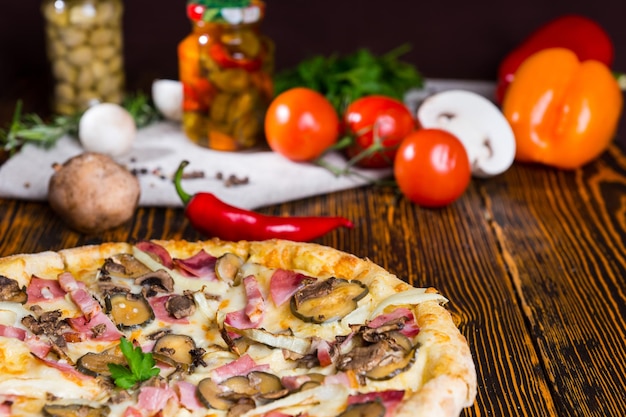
{"type": "Point", "coordinates": [226, 66]}
{"type": "Point", "coordinates": [84, 44]}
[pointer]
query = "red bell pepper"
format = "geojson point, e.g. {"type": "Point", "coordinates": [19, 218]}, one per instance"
{"type": "Point", "coordinates": [224, 59]}
{"type": "Point", "coordinates": [583, 36]}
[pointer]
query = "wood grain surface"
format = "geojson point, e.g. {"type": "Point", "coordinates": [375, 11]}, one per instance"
{"type": "Point", "coordinates": [533, 262]}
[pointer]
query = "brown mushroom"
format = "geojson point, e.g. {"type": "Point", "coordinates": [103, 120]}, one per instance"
{"type": "Point", "coordinates": [93, 193]}
{"type": "Point", "coordinates": [180, 306]}
{"type": "Point", "coordinates": [10, 291]}
{"type": "Point", "coordinates": [74, 410]}
{"type": "Point", "coordinates": [327, 300]}
{"type": "Point", "coordinates": [156, 281]}
{"type": "Point", "coordinates": [125, 265]}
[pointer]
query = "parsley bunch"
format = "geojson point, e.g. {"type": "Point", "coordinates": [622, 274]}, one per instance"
{"type": "Point", "coordinates": [343, 79]}
{"type": "Point", "coordinates": [141, 366]}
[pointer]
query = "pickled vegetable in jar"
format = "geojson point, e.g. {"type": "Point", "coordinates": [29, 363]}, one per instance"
{"type": "Point", "coordinates": [84, 45]}
{"type": "Point", "coordinates": [226, 66]}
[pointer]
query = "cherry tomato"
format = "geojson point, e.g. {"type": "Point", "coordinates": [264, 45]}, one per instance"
{"type": "Point", "coordinates": [301, 124]}
{"type": "Point", "coordinates": [377, 124]}
{"type": "Point", "coordinates": [432, 168]}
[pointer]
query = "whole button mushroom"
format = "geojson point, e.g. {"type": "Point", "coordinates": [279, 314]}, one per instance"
{"type": "Point", "coordinates": [93, 193]}
{"type": "Point", "coordinates": [479, 125]}
{"type": "Point", "coordinates": [107, 128]}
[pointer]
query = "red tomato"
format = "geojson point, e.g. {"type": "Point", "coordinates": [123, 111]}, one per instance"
{"type": "Point", "coordinates": [301, 124]}
{"type": "Point", "coordinates": [432, 168]}
{"type": "Point", "coordinates": [378, 124]}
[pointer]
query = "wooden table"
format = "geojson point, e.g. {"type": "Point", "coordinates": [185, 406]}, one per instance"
{"type": "Point", "coordinates": [533, 261]}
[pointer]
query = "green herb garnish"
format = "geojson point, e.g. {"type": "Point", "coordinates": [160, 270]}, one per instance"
{"type": "Point", "coordinates": [343, 79]}
{"type": "Point", "coordinates": [140, 366]}
{"type": "Point", "coordinates": [30, 128]}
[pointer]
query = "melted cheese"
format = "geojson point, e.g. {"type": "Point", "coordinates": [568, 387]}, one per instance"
{"type": "Point", "coordinates": [15, 357]}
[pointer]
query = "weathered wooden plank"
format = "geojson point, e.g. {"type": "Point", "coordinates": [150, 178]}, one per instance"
{"type": "Point", "coordinates": [565, 245]}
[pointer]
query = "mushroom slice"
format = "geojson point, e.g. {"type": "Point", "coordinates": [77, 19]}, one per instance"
{"type": "Point", "coordinates": [478, 123]}
{"type": "Point", "coordinates": [180, 306]}
{"type": "Point", "coordinates": [124, 265]}
{"type": "Point", "coordinates": [366, 409]}
{"type": "Point", "coordinates": [209, 394]}
{"type": "Point", "coordinates": [158, 281]}
{"type": "Point", "coordinates": [176, 348]}
{"type": "Point", "coordinates": [97, 364]}
{"type": "Point", "coordinates": [128, 311]}
{"type": "Point", "coordinates": [392, 366]}
{"type": "Point", "coordinates": [74, 410]}
{"type": "Point", "coordinates": [327, 300]}
{"type": "Point", "coordinates": [267, 386]}
{"type": "Point", "coordinates": [10, 291]}
{"type": "Point", "coordinates": [227, 266]}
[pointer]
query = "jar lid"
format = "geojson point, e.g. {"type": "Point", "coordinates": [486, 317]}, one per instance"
{"type": "Point", "coordinates": [234, 12]}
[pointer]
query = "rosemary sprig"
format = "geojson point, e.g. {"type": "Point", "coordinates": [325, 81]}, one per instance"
{"type": "Point", "coordinates": [30, 128]}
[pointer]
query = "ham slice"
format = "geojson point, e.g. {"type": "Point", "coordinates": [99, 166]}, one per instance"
{"type": "Point", "coordinates": [242, 366]}
{"type": "Point", "coordinates": [187, 396]}
{"type": "Point", "coordinates": [389, 398]}
{"type": "Point", "coordinates": [154, 398]}
{"type": "Point", "coordinates": [256, 305]}
{"type": "Point", "coordinates": [284, 284]}
{"type": "Point", "coordinates": [65, 368]}
{"type": "Point", "coordinates": [252, 314]}
{"type": "Point", "coordinates": [410, 328]}
{"type": "Point", "coordinates": [40, 289]}
{"type": "Point", "coordinates": [158, 251]}
{"type": "Point", "coordinates": [132, 412]}
{"type": "Point", "coordinates": [201, 265]}
{"type": "Point", "coordinates": [99, 327]}
{"type": "Point", "coordinates": [88, 305]}
{"type": "Point", "coordinates": [161, 313]}
{"type": "Point", "coordinates": [12, 332]}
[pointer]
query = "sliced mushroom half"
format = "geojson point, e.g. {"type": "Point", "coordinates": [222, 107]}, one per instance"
{"type": "Point", "coordinates": [327, 300]}
{"type": "Point", "coordinates": [128, 311]}
{"type": "Point", "coordinates": [10, 291]}
{"type": "Point", "coordinates": [175, 349]}
{"type": "Point", "coordinates": [97, 364]}
{"type": "Point", "coordinates": [477, 123]}
{"type": "Point", "coordinates": [74, 410]}
{"type": "Point", "coordinates": [227, 266]}
{"type": "Point", "coordinates": [366, 409]}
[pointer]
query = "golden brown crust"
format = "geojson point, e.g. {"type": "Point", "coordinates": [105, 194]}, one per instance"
{"type": "Point", "coordinates": [448, 375]}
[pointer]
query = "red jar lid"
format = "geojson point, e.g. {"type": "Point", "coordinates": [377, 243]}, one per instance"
{"type": "Point", "coordinates": [233, 12]}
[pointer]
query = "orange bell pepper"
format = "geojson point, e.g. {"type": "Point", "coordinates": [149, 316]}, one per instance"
{"type": "Point", "coordinates": [564, 112]}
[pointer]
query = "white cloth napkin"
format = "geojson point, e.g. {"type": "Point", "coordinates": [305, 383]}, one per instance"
{"type": "Point", "coordinates": [158, 150]}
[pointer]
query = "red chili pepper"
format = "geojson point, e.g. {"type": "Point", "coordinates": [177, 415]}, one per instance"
{"type": "Point", "coordinates": [213, 217]}
{"type": "Point", "coordinates": [583, 36]}
{"type": "Point", "coordinates": [220, 55]}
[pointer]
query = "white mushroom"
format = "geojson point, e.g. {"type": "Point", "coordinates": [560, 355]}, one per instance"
{"type": "Point", "coordinates": [107, 128]}
{"type": "Point", "coordinates": [168, 98]}
{"type": "Point", "coordinates": [479, 125]}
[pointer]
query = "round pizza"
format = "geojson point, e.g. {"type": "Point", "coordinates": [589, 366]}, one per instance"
{"type": "Point", "coordinates": [214, 328]}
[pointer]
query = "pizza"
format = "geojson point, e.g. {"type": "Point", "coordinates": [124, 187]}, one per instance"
{"type": "Point", "coordinates": [214, 328]}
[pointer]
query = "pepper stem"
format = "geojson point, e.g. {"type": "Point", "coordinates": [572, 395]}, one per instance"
{"type": "Point", "coordinates": [178, 176]}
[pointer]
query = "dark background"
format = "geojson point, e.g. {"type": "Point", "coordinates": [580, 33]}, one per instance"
{"type": "Point", "coordinates": [449, 38]}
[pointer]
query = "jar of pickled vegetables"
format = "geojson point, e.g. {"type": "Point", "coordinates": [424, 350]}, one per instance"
{"type": "Point", "coordinates": [226, 66]}
{"type": "Point", "coordinates": [84, 45]}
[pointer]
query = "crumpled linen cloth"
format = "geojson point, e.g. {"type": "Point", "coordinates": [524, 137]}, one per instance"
{"type": "Point", "coordinates": [159, 148]}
